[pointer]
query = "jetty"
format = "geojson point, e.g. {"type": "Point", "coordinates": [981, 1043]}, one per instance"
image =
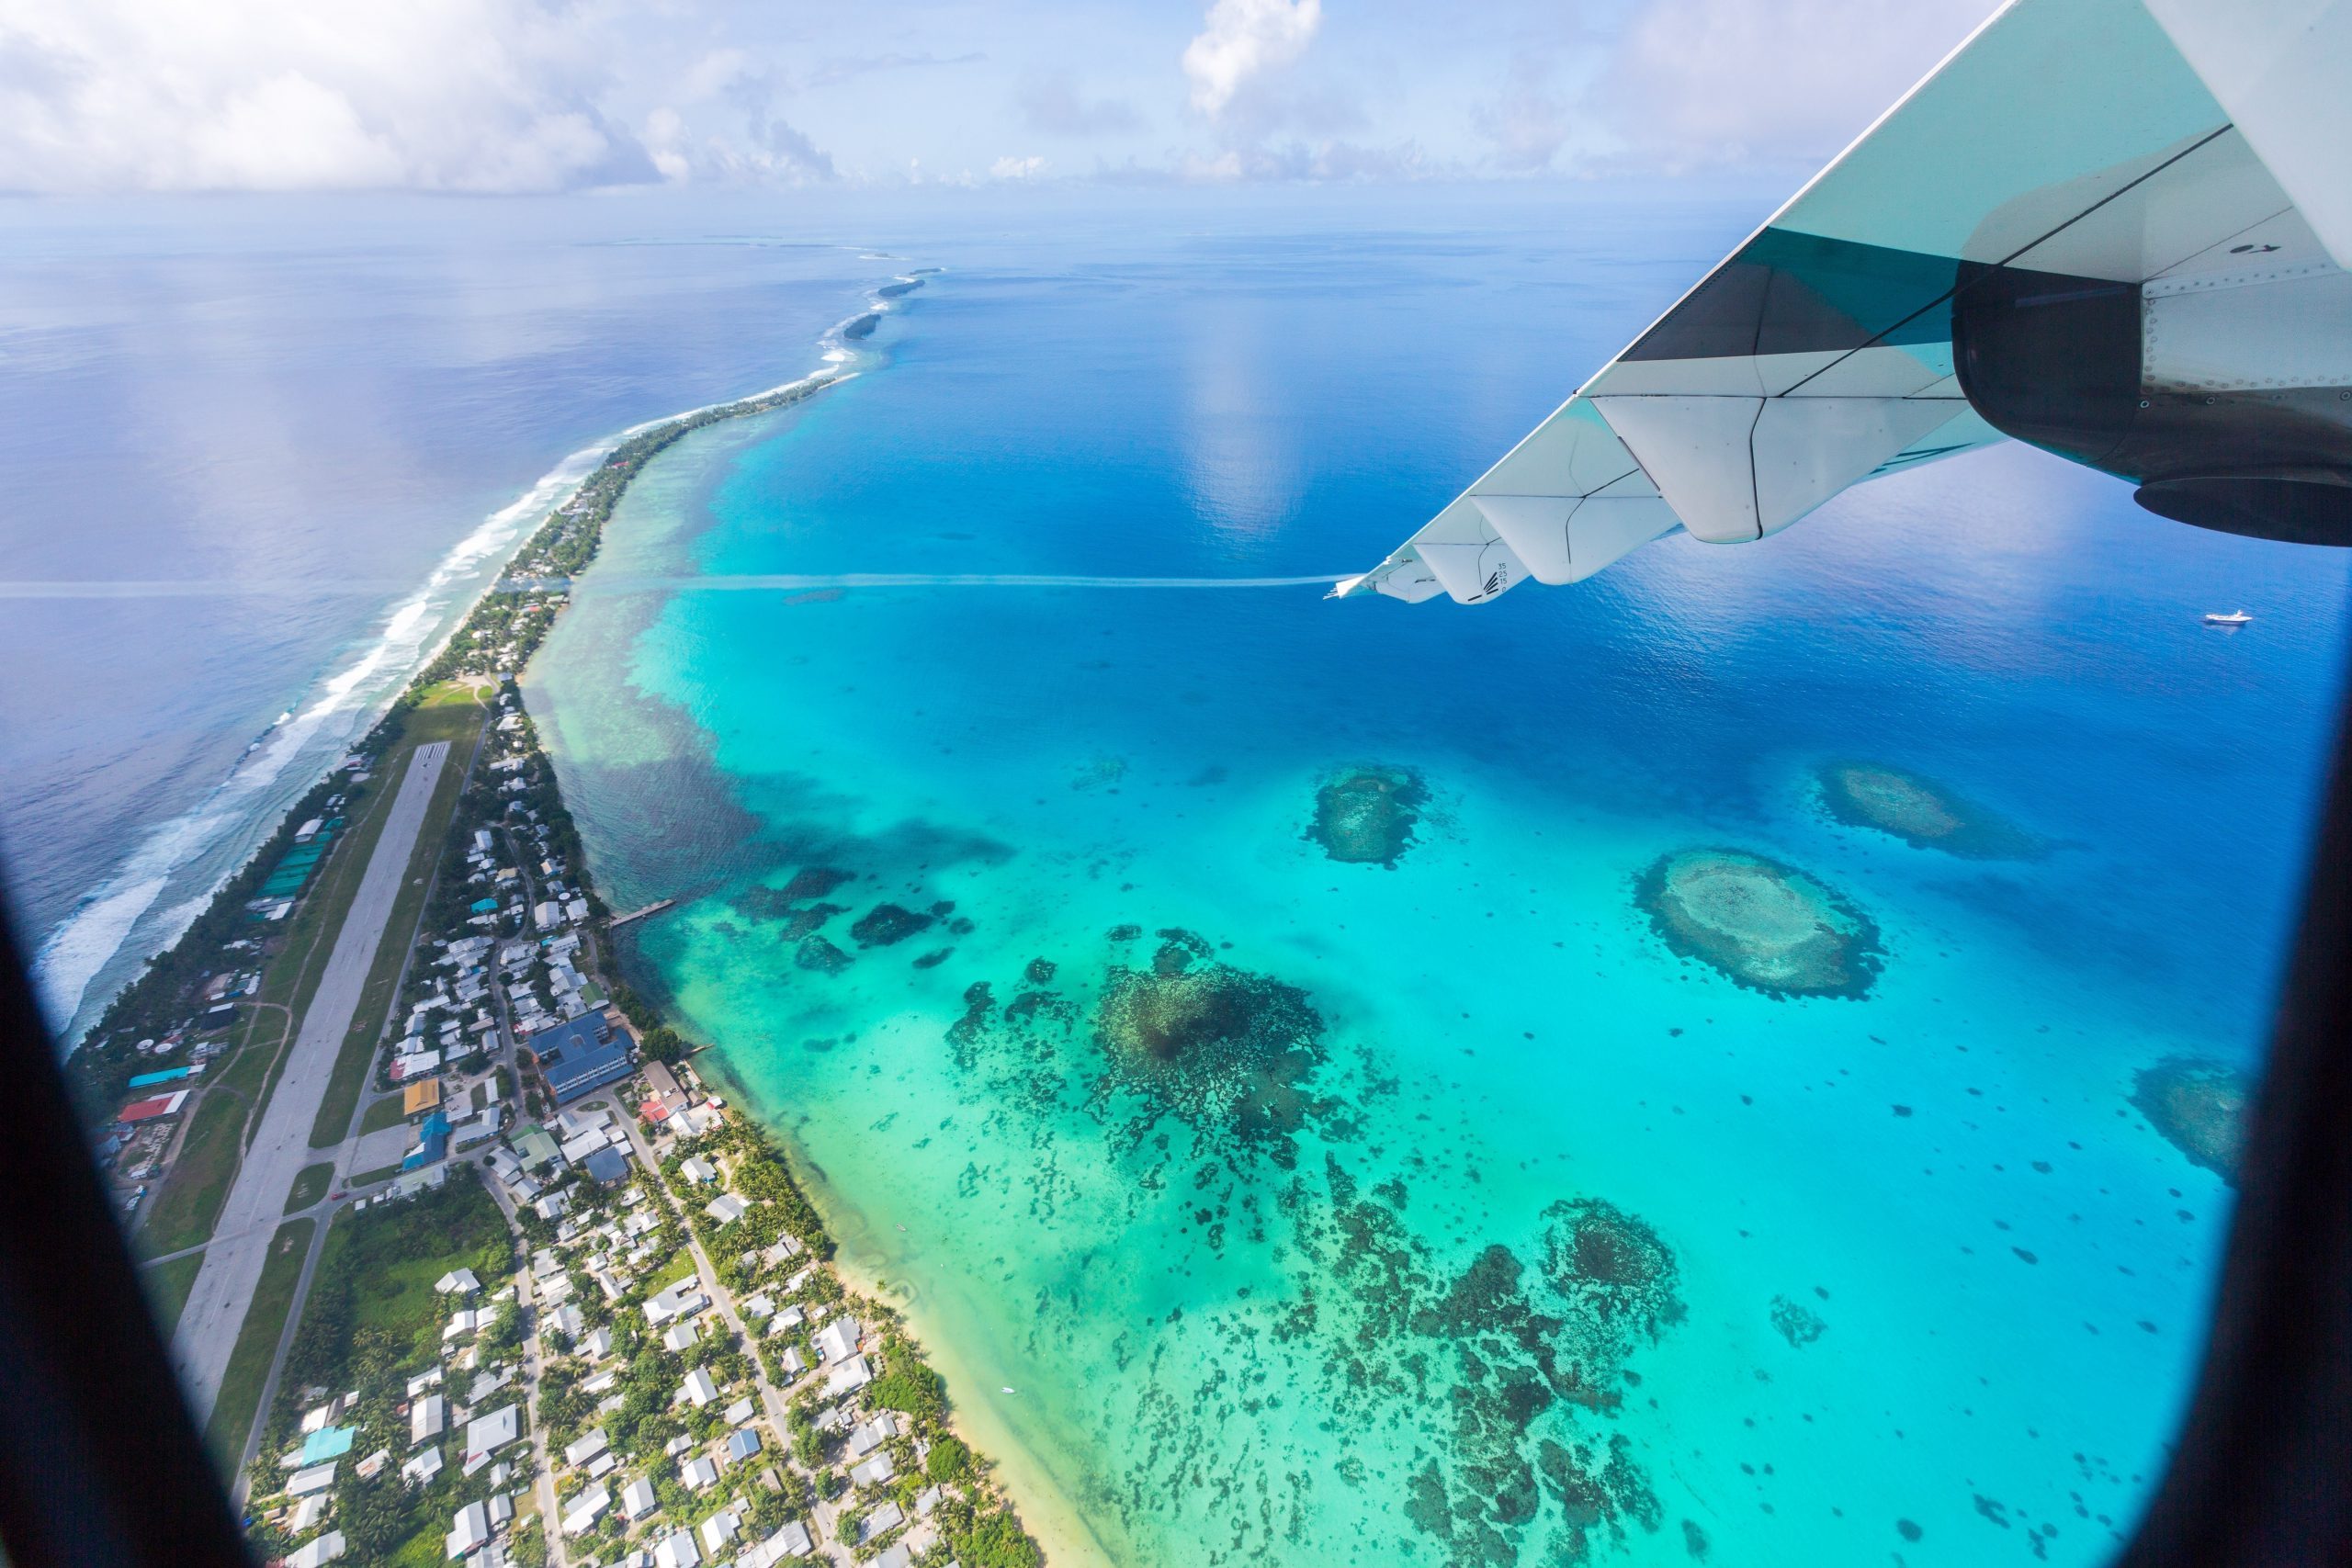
{"type": "Point", "coordinates": [655, 908]}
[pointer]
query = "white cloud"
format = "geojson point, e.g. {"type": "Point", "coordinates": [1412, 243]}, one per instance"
{"type": "Point", "coordinates": [1241, 39]}
{"type": "Point", "coordinates": [445, 95]}
{"type": "Point", "coordinates": [1011, 168]}
{"type": "Point", "coordinates": [1710, 82]}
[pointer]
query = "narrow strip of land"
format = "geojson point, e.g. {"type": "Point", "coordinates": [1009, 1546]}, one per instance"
{"type": "Point", "coordinates": [281, 1146]}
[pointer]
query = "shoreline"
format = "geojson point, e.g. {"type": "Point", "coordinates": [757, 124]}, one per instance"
{"type": "Point", "coordinates": [88, 1019]}
{"type": "Point", "coordinates": [1046, 1511]}
{"type": "Point", "coordinates": [592, 498]}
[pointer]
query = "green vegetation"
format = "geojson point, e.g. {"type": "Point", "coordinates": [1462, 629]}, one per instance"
{"type": "Point", "coordinates": [949, 1458]}
{"type": "Point", "coordinates": [909, 1385]}
{"type": "Point", "coordinates": [241, 1385]}
{"type": "Point", "coordinates": [184, 1209]}
{"type": "Point", "coordinates": [381, 1113]}
{"type": "Point", "coordinates": [168, 1285]}
{"type": "Point", "coordinates": [373, 1318]}
{"type": "Point", "coordinates": [369, 1178]}
{"type": "Point", "coordinates": [310, 1184]}
{"type": "Point", "coordinates": [377, 1271]}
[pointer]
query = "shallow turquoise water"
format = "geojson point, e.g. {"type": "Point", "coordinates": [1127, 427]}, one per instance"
{"type": "Point", "coordinates": [1779, 1279]}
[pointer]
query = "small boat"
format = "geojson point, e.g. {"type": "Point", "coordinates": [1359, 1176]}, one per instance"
{"type": "Point", "coordinates": [2234, 618]}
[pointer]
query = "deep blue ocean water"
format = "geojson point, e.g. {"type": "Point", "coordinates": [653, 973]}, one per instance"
{"type": "Point", "coordinates": [1870, 1320]}
{"type": "Point", "coordinates": [317, 403]}
{"type": "Point", "coordinates": [1933, 1285]}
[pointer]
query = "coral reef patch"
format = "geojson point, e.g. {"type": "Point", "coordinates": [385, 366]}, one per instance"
{"type": "Point", "coordinates": [1223, 1049]}
{"type": "Point", "coordinates": [1366, 816]}
{"type": "Point", "coordinates": [1920, 811]}
{"type": "Point", "coordinates": [1797, 1324]}
{"type": "Point", "coordinates": [1765, 925]}
{"type": "Point", "coordinates": [2199, 1107]}
{"type": "Point", "coordinates": [888, 924]}
{"type": "Point", "coordinates": [821, 956]}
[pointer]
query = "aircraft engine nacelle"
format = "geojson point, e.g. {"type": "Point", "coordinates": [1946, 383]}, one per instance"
{"type": "Point", "coordinates": [2226, 397]}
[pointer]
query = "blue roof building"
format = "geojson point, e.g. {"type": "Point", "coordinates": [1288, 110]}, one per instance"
{"type": "Point", "coordinates": [742, 1445]}
{"type": "Point", "coordinates": [583, 1053]}
{"type": "Point", "coordinates": [432, 1143]}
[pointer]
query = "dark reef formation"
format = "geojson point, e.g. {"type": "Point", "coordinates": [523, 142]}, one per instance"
{"type": "Point", "coordinates": [1920, 812]}
{"type": "Point", "coordinates": [818, 954]}
{"type": "Point", "coordinates": [806, 922]}
{"type": "Point", "coordinates": [1366, 816]}
{"type": "Point", "coordinates": [2199, 1107]}
{"type": "Point", "coordinates": [1504, 1347]}
{"type": "Point", "coordinates": [1766, 926]}
{"type": "Point", "coordinates": [1229, 1119]}
{"type": "Point", "coordinates": [863, 327]}
{"type": "Point", "coordinates": [1798, 1323]}
{"type": "Point", "coordinates": [815, 882]}
{"type": "Point", "coordinates": [1227, 1051]}
{"type": "Point", "coordinates": [885, 925]}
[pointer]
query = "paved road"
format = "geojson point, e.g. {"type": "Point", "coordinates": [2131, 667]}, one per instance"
{"type": "Point", "coordinates": [281, 1146]}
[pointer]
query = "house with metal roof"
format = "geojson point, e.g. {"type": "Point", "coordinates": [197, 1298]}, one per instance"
{"type": "Point", "coordinates": [583, 1053]}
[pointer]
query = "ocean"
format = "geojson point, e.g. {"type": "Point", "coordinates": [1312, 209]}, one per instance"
{"type": "Point", "coordinates": [1456, 1202]}
{"type": "Point", "coordinates": [1450, 1203]}
{"type": "Point", "coordinates": [262, 453]}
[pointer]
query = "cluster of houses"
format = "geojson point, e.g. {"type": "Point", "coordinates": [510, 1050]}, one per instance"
{"type": "Point", "coordinates": [465, 1411]}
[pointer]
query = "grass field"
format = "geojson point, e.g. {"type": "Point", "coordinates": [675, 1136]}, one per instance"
{"type": "Point", "coordinates": [449, 713]}
{"type": "Point", "coordinates": [168, 1285]}
{"type": "Point", "coordinates": [679, 1268]}
{"type": "Point", "coordinates": [310, 1184]}
{"type": "Point", "coordinates": [369, 1178]}
{"type": "Point", "coordinates": [241, 1385]}
{"type": "Point", "coordinates": [191, 1195]}
{"type": "Point", "coordinates": [381, 1113]}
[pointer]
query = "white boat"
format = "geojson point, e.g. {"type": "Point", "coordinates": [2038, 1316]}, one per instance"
{"type": "Point", "coordinates": [2234, 618]}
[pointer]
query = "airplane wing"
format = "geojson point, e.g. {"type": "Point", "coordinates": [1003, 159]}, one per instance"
{"type": "Point", "coordinates": [2165, 144]}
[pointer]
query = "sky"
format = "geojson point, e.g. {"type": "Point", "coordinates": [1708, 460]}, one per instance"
{"type": "Point", "coordinates": [503, 96]}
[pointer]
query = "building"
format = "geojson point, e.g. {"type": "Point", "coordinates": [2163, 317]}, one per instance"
{"type": "Point", "coordinates": [419, 1096]}
{"type": "Point", "coordinates": [427, 1419]}
{"type": "Point", "coordinates": [535, 1146]}
{"type": "Point", "coordinates": [325, 1550]}
{"type": "Point", "coordinates": [586, 1509]}
{"type": "Point", "coordinates": [699, 1388]}
{"type": "Point", "coordinates": [718, 1530]}
{"type": "Point", "coordinates": [151, 1110]}
{"type": "Point", "coordinates": [586, 1447]}
{"type": "Point", "coordinates": [849, 1377]}
{"type": "Point", "coordinates": [606, 1166]}
{"type": "Point", "coordinates": [582, 1054]}
{"type": "Point", "coordinates": [838, 1338]}
{"type": "Point", "coordinates": [663, 1087]}
{"type": "Point", "coordinates": [469, 1530]}
{"type": "Point", "coordinates": [741, 1445]}
{"type": "Point", "coordinates": [431, 1144]}
{"type": "Point", "coordinates": [873, 1472]}
{"type": "Point", "coordinates": [677, 1552]}
{"type": "Point", "coordinates": [638, 1499]}
{"type": "Point", "coordinates": [725, 1208]}
{"type": "Point", "coordinates": [485, 1435]}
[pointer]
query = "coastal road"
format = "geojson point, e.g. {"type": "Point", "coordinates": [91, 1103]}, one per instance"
{"type": "Point", "coordinates": [281, 1146]}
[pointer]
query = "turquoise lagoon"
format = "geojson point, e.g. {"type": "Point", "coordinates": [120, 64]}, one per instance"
{"type": "Point", "coordinates": [1266, 1207]}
